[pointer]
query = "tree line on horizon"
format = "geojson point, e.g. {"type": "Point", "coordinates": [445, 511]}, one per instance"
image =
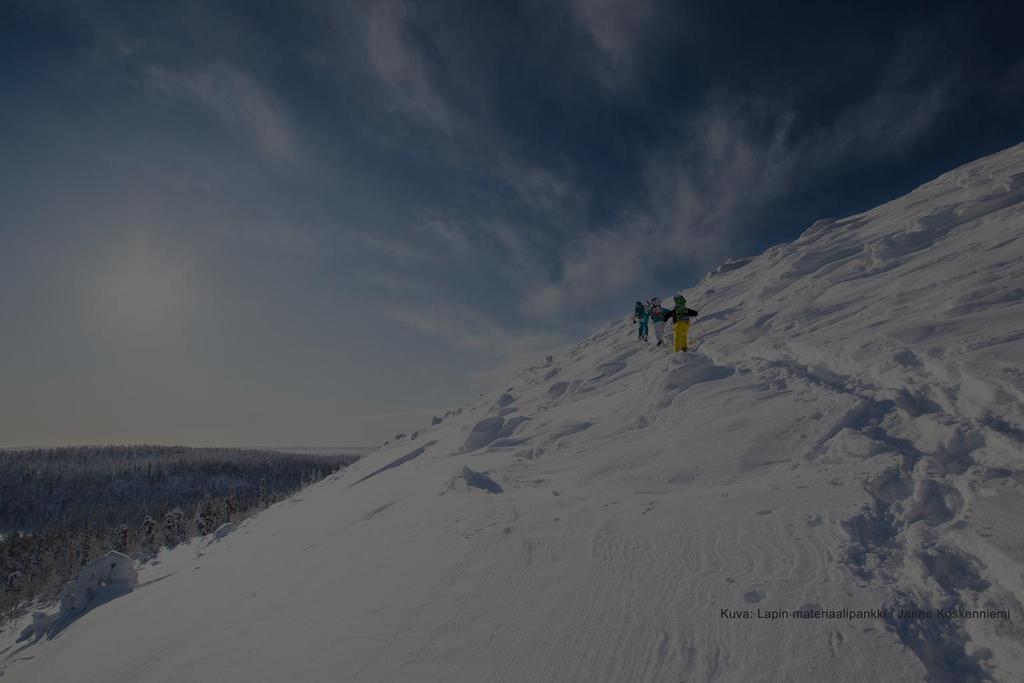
{"type": "Point", "coordinates": [60, 508]}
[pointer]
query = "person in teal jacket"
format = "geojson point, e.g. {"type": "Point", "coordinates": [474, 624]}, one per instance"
{"type": "Point", "coordinates": [641, 315]}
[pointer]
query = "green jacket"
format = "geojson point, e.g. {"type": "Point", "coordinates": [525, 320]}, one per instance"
{"type": "Point", "coordinates": [681, 312]}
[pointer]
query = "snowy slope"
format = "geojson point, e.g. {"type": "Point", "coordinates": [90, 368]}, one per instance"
{"type": "Point", "coordinates": [847, 434]}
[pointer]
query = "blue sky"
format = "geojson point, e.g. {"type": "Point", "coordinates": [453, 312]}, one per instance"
{"type": "Point", "coordinates": [322, 222]}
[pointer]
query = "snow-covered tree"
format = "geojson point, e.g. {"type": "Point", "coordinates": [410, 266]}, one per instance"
{"type": "Point", "coordinates": [175, 527]}
{"type": "Point", "coordinates": [123, 539]}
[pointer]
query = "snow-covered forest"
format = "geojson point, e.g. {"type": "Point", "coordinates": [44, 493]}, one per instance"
{"type": "Point", "coordinates": [61, 508]}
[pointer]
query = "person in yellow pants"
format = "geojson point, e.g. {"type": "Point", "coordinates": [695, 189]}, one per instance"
{"type": "Point", "coordinates": [681, 314]}
{"type": "Point", "coordinates": [682, 330]}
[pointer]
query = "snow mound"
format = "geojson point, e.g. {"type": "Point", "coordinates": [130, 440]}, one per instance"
{"type": "Point", "coordinates": [220, 533]}
{"type": "Point", "coordinates": [42, 622]}
{"type": "Point", "coordinates": [490, 430]}
{"type": "Point", "coordinates": [698, 370]}
{"type": "Point", "coordinates": [106, 577]}
{"type": "Point", "coordinates": [479, 480]}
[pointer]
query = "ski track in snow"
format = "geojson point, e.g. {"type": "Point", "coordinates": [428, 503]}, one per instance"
{"type": "Point", "coordinates": [847, 434]}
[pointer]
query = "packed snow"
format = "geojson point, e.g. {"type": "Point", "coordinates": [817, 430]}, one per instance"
{"type": "Point", "coordinates": [845, 437]}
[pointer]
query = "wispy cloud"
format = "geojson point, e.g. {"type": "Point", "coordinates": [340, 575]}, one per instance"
{"type": "Point", "coordinates": [731, 159]}
{"type": "Point", "coordinates": [396, 250]}
{"type": "Point", "coordinates": [471, 330]}
{"type": "Point", "coordinates": [546, 191]}
{"type": "Point", "coordinates": [451, 233]}
{"type": "Point", "coordinates": [885, 123]}
{"type": "Point", "coordinates": [242, 103]}
{"type": "Point", "coordinates": [284, 239]}
{"type": "Point", "coordinates": [616, 29]}
{"type": "Point", "coordinates": [420, 306]}
{"type": "Point", "coordinates": [422, 86]}
{"type": "Point", "coordinates": [396, 60]}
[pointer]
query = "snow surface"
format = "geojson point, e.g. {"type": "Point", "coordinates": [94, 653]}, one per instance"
{"type": "Point", "coordinates": [846, 434]}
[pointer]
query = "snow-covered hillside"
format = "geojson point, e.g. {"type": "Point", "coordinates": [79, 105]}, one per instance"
{"type": "Point", "coordinates": [847, 435]}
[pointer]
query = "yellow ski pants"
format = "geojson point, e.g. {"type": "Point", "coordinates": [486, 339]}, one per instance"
{"type": "Point", "coordinates": [682, 329]}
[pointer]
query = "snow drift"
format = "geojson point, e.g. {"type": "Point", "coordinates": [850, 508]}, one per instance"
{"type": "Point", "coordinates": [107, 576]}
{"type": "Point", "coordinates": [829, 488]}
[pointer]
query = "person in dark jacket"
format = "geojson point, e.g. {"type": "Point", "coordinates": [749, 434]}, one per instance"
{"type": "Point", "coordinates": [681, 315]}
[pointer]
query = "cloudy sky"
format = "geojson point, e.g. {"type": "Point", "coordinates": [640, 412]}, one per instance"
{"type": "Point", "coordinates": [321, 222]}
